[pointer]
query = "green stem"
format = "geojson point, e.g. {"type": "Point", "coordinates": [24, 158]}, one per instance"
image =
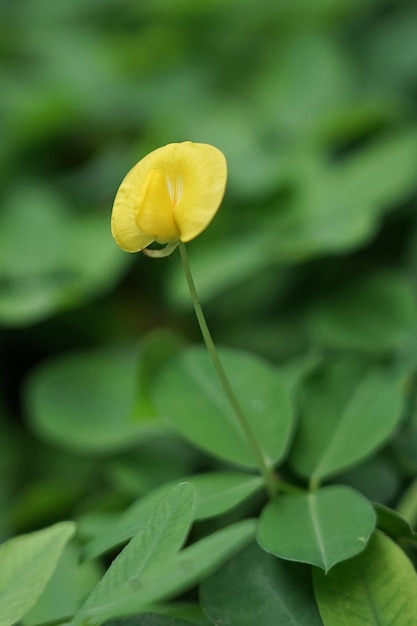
{"type": "Point", "coordinates": [285, 487]}
{"type": "Point", "coordinates": [262, 463]}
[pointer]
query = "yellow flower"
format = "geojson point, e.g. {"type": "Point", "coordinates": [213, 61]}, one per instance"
{"type": "Point", "coordinates": [171, 195]}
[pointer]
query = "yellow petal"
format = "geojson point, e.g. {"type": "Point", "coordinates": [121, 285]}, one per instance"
{"type": "Point", "coordinates": [200, 174]}
{"type": "Point", "coordinates": [123, 220]}
{"type": "Point", "coordinates": [126, 208]}
{"type": "Point", "coordinates": [154, 214]}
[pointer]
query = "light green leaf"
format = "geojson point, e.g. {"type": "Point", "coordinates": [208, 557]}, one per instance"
{"type": "Point", "coordinates": [347, 412]}
{"type": "Point", "coordinates": [26, 564]}
{"type": "Point", "coordinates": [378, 587]}
{"type": "Point", "coordinates": [88, 401]}
{"type": "Point", "coordinates": [376, 313]}
{"type": "Point", "coordinates": [163, 534]}
{"type": "Point", "coordinates": [169, 576]}
{"type": "Point", "coordinates": [219, 492]}
{"type": "Point", "coordinates": [188, 395]}
{"type": "Point", "coordinates": [257, 588]}
{"type": "Point", "coordinates": [128, 524]}
{"type": "Point", "coordinates": [216, 493]}
{"type": "Point", "coordinates": [70, 583]}
{"type": "Point", "coordinates": [322, 527]}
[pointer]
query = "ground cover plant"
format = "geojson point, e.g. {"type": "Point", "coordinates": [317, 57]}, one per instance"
{"type": "Point", "coordinates": [257, 462]}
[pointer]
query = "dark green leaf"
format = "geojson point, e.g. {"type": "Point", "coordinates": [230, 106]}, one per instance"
{"type": "Point", "coordinates": [256, 587]}
{"type": "Point", "coordinates": [149, 619]}
{"type": "Point", "coordinates": [391, 522]}
{"type": "Point", "coordinates": [378, 478]}
{"type": "Point", "coordinates": [407, 506]}
{"type": "Point", "coordinates": [375, 314]}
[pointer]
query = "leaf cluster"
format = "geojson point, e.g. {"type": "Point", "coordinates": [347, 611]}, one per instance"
{"type": "Point", "coordinates": [111, 415]}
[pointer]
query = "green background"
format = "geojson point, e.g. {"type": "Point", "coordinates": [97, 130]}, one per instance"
{"type": "Point", "coordinates": [313, 254]}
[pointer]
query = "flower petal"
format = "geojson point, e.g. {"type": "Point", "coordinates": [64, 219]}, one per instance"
{"type": "Point", "coordinates": [123, 220]}
{"type": "Point", "coordinates": [201, 174]}
{"type": "Point", "coordinates": [154, 214]}
{"type": "Point", "coordinates": [124, 226]}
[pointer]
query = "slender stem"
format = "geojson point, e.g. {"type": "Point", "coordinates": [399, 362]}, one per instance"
{"type": "Point", "coordinates": [314, 483]}
{"type": "Point", "coordinates": [262, 462]}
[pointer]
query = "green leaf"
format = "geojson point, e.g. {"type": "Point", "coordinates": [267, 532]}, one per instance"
{"type": "Point", "coordinates": [157, 460]}
{"type": "Point", "coordinates": [128, 524]}
{"type": "Point", "coordinates": [163, 534]}
{"type": "Point", "coordinates": [219, 267]}
{"type": "Point", "coordinates": [347, 412]}
{"type": "Point", "coordinates": [376, 313]}
{"type": "Point", "coordinates": [393, 39]}
{"type": "Point", "coordinates": [187, 613]}
{"type": "Point", "coordinates": [65, 590]}
{"type": "Point", "coordinates": [169, 576]}
{"type": "Point", "coordinates": [216, 493]}
{"type": "Point", "coordinates": [257, 588]}
{"type": "Point", "coordinates": [50, 258]}
{"type": "Point", "coordinates": [219, 492]}
{"type": "Point", "coordinates": [378, 478]}
{"type": "Point", "coordinates": [192, 613]}
{"type": "Point", "coordinates": [407, 505]}
{"type": "Point", "coordinates": [405, 444]}
{"type": "Point", "coordinates": [392, 523]}
{"type": "Point", "coordinates": [88, 401]}
{"type": "Point", "coordinates": [188, 395]}
{"type": "Point", "coordinates": [149, 619]}
{"type": "Point", "coordinates": [27, 563]}
{"type": "Point", "coordinates": [337, 206]}
{"type": "Point", "coordinates": [295, 371]}
{"type": "Point", "coordinates": [379, 587]}
{"type": "Point", "coordinates": [322, 527]}
{"type": "Point", "coordinates": [381, 174]}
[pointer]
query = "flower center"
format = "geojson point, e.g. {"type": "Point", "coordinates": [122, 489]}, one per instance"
{"type": "Point", "coordinates": [174, 185]}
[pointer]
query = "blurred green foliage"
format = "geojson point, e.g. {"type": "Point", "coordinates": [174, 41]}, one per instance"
{"type": "Point", "coordinates": [311, 261]}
